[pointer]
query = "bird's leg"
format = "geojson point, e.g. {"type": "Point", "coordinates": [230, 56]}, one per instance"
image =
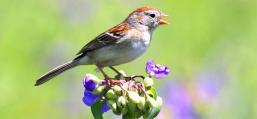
{"type": "Point", "coordinates": [108, 79]}
{"type": "Point", "coordinates": [126, 77]}
{"type": "Point", "coordinates": [102, 71]}
{"type": "Point", "coordinates": [116, 71]}
{"type": "Point", "coordinates": [119, 75]}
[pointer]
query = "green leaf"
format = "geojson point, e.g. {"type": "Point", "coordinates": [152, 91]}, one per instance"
{"type": "Point", "coordinates": [152, 92]}
{"type": "Point", "coordinates": [152, 113]}
{"type": "Point", "coordinates": [96, 110]}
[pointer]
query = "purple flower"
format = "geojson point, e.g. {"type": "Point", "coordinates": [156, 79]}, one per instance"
{"type": "Point", "coordinates": [105, 107]}
{"type": "Point", "coordinates": [89, 83]}
{"type": "Point", "coordinates": [179, 101]}
{"type": "Point", "coordinates": [89, 98]}
{"type": "Point", "coordinates": [209, 84]}
{"type": "Point", "coordinates": [156, 70]}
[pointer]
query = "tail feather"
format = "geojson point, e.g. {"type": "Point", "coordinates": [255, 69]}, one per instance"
{"type": "Point", "coordinates": [56, 71]}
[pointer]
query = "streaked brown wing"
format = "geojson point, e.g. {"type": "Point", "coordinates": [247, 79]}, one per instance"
{"type": "Point", "coordinates": [111, 36]}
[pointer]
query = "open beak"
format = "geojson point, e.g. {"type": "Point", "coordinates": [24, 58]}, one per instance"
{"type": "Point", "coordinates": [163, 22]}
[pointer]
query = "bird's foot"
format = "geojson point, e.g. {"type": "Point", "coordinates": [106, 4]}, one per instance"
{"type": "Point", "coordinates": [112, 82]}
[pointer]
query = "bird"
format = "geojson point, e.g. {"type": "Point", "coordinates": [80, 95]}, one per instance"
{"type": "Point", "coordinates": [120, 44]}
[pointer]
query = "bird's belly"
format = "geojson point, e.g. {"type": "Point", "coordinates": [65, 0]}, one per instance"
{"type": "Point", "coordinates": [117, 54]}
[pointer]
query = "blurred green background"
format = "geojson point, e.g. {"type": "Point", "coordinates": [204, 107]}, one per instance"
{"type": "Point", "coordinates": [210, 47]}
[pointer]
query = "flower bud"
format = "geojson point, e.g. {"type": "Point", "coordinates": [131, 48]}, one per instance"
{"type": "Point", "coordinates": [133, 96]}
{"type": "Point", "coordinates": [148, 82]}
{"type": "Point", "coordinates": [117, 111]}
{"type": "Point", "coordinates": [151, 102]}
{"type": "Point", "coordinates": [117, 90]}
{"type": "Point", "coordinates": [94, 78]}
{"type": "Point", "coordinates": [151, 92]}
{"type": "Point", "coordinates": [124, 110]}
{"type": "Point", "coordinates": [141, 104]}
{"type": "Point", "coordinates": [110, 94]}
{"type": "Point", "coordinates": [159, 101]}
{"type": "Point", "coordinates": [99, 90]}
{"type": "Point", "coordinates": [112, 105]}
{"type": "Point", "coordinates": [122, 101]}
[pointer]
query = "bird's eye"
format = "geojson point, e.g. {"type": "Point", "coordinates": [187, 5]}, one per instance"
{"type": "Point", "coordinates": [152, 15]}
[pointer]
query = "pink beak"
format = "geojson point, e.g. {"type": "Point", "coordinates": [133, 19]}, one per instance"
{"type": "Point", "coordinates": [163, 22]}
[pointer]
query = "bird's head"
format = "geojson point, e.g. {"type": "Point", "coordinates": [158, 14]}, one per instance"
{"type": "Point", "coordinates": [147, 18]}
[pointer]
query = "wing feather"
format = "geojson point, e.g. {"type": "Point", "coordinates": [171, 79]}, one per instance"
{"type": "Point", "coordinates": [111, 36]}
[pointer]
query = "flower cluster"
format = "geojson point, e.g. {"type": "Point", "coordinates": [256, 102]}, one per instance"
{"type": "Point", "coordinates": [126, 96]}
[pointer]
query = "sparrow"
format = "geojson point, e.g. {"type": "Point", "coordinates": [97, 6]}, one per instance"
{"type": "Point", "coordinates": [118, 45]}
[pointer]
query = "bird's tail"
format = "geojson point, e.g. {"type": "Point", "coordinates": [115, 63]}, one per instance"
{"type": "Point", "coordinates": [56, 71]}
